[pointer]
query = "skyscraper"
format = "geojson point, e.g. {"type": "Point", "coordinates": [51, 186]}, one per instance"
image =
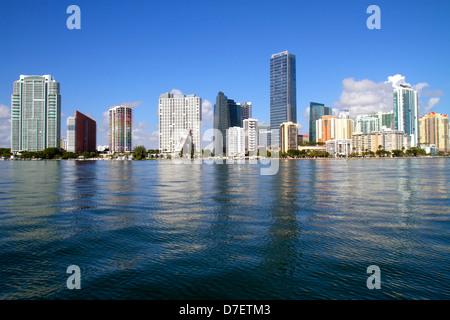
{"type": "Point", "coordinates": [227, 113]}
{"type": "Point", "coordinates": [235, 142]}
{"type": "Point", "coordinates": [35, 114]}
{"type": "Point", "coordinates": [283, 91]}
{"type": "Point", "coordinates": [120, 129]}
{"type": "Point", "coordinates": [434, 129]}
{"type": "Point", "coordinates": [316, 112]}
{"type": "Point", "coordinates": [406, 112]}
{"type": "Point", "coordinates": [246, 110]}
{"type": "Point", "coordinates": [81, 133]}
{"type": "Point", "coordinates": [179, 117]}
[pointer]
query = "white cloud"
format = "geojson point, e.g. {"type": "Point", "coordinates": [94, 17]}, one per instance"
{"type": "Point", "coordinates": [131, 104]}
{"type": "Point", "coordinates": [4, 112]}
{"type": "Point", "coordinates": [366, 96]}
{"type": "Point", "coordinates": [142, 135]}
{"type": "Point", "coordinates": [207, 112]}
{"type": "Point", "coordinates": [431, 103]}
{"type": "Point", "coordinates": [176, 92]}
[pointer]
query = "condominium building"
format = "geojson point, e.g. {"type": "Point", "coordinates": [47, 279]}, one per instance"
{"type": "Point", "coordinates": [406, 112]}
{"type": "Point", "coordinates": [235, 142]}
{"type": "Point", "coordinates": [179, 114]}
{"type": "Point", "coordinates": [316, 112]}
{"type": "Point", "coordinates": [386, 119]}
{"type": "Point", "coordinates": [264, 136]}
{"type": "Point", "coordinates": [288, 136]}
{"type": "Point", "coordinates": [387, 139]}
{"type": "Point", "coordinates": [434, 130]}
{"type": "Point", "coordinates": [251, 135]}
{"type": "Point", "coordinates": [303, 138]}
{"type": "Point", "coordinates": [339, 147]}
{"type": "Point", "coordinates": [283, 90]}
{"type": "Point", "coordinates": [35, 114]}
{"type": "Point", "coordinates": [329, 128]}
{"type": "Point", "coordinates": [81, 133]}
{"type": "Point", "coordinates": [367, 124]}
{"type": "Point", "coordinates": [120, 128]}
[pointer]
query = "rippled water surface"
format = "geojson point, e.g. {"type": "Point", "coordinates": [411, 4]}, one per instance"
{"type": "Point", "coordinates": [155, 230]}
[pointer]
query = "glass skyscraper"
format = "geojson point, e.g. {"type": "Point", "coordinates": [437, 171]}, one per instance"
{"type": "Point", "coordinates": [316, 112]}
{"type": "Point", "coordinates": [35, 114]}
{"type": "Point", "coordinates": [283, 91]}
{"type": "Point", "coordinates": [406, 112]}
{"type": "Point", "coordinates": [227, 113]}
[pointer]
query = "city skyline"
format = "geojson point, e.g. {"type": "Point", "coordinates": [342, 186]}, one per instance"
{"type": "Point", "coordinates": [140, 76]}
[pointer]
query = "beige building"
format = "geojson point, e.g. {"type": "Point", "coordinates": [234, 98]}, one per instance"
{"type": "Point", "coordinates": [289, 136]}
{"type": "Point", "coordinates": [330, 127]}
{"type": "Point", "coordinates": [388, 140]}
{"type": "Point", "coordinates": [433, 129]}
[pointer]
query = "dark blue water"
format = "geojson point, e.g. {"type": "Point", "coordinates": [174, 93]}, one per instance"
{"type": "Point", "coordinates": [155, 230]}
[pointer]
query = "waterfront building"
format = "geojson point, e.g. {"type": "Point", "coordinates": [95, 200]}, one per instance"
{"type": "Point", "coordinates": [386, 119]}
{"type": "Point", "coordinates": [386, 139]}
{"type": "Point", "coordinates": [264, 136]}
{"type": "Point", "coordinates": [344, 114]}
{"type": "Point", "coordinates": [227, 113]}
{"type": "Point", "coordinates": [251, 135]}
{"type": "Point", "coordinates": [329, 128]}
{"type": "Point", "coordinates": [35, 114]}
{"type": "Point", "coordinates": [406, 112]}
{"type": "Point", "coordinates": [434, 130]}
{"type": "Point", "coordinates": [316, 112]}
{"type": "Point", "coordinates": [339, 147]}
{"type": "Point", "coordinates": [367, 123]}
{"type": "Point", "coordinates": [235, 142]}
{"type": "Point", "coordinates": [289, 135]}
{"type": "Point", "coordinates": [303, 138]}
{"type": "Point", "coordinates": [246, 110]}
{"type": "Point", "coordinates": [81, 133]}
{"type": "Point", "coordinates": [283, 91]}
{"type": "Point", "coordinates": [179, 119]}
{"type": "Point", "coordinates": [120, 128]}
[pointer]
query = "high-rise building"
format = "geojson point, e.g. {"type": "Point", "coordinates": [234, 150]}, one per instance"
{"type": "Point", "coordinates": [251, 135]}
{"type": "Point", "coordinates": [81, 133]}
{"type": "Point", "coordinates": [367, 123]}
{"type": "Point", "coordinates": [388, 140]}
{"type": "Point", "coordinates": [316, 112]}
{"type": "Point", "coordinates": [35, 114]}
{"type": "Point", "coordinates": [235, 142]}
{"type": "Point", "coordinates": [227, 113]}
{"type": "Point", "coordinates": [120, 128]}
{"type": "Point", "coordinates": [246, 110]}
{"type": "Point", "coordinates": [406, 112]}
{"type": "Point", "coordinates": [434, 131]}
{"type": "Point", "coordinates": [386, 119]}
{"type": "Point", "coordinates": [329, 128]}
{"type": "Point", "coordinates": [288, 136]}
{"type": "Point", "coordinates": [264, 136]}
{"type": "Point", "coordinates": [283, 91]}
{"type": "Point", "coordinates": [179, 114]}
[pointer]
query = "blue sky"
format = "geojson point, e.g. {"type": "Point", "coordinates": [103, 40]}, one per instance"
{"type": "Point", "coordinates": [133, 51]}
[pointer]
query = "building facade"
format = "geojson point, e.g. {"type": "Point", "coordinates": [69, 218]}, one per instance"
{"type": "Point", "coordinates": [227, 113]}
{"type": "Point", "coordinates": [178, 115]}
{"type": "Point", "coordinates": [387, 140]}
{"type": "Point", "coordinates": [406, 112]}
{"type": "Point", "coordinates": [120, 128]}
{"type": "Point", "coordinates": [339, 147]}
{"type": "Point", "coordinates": [235, 142]}
{"type": "Point", "coordinates": [434, 129]}
{"type": "Point", "coordinates": [288, 136]}
{"type": "Point", "coordinates": [367, 124]}
{"type": "Point", "coordinates": [283, 90]}
{"type": "Point", "coordinates": [35, 114]}
{"type": "Point", "coordinates": [251, 135]}
{"type": "Point", "coordinates": [316, 112]}
{"type": "Point", "coordinates": [329, 128]}
{"type": "Point", "coordinates": [81, 134]}
{"type": "Point", "coordinates": [246, 110]}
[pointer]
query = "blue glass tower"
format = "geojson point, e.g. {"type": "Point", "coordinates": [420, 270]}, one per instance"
{"type": "Point", "coordinates": [316, 112]}
{"type": "Point", "coordinates": [283, 90]}
{"type": "Point", "coordinates": [227, 113]}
